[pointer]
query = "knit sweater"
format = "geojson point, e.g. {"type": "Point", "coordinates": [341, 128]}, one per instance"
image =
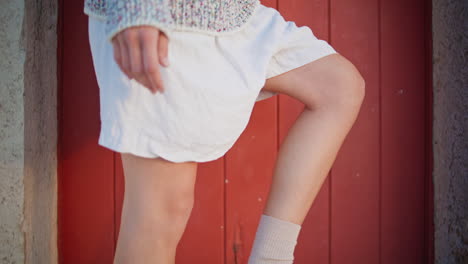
{"type": "Point", "coordinates": [213, 17]}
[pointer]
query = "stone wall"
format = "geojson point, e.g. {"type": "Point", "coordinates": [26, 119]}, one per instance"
{"type": "Point", "coordinates": [12, 54]}
{"type": "Point", "coordinates": [28, 131]}
{"type": "Point", "coordinates": [450, 127]}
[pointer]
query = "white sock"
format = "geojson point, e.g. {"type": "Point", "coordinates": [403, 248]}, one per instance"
{"type": "Point", "coordinates": [275, 241]}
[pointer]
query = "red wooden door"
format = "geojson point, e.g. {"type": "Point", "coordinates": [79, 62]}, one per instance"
{"type": "Point", "coordinates": [375, 206]}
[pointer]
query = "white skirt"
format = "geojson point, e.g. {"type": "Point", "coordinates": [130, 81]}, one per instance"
{"type": "Point", "coordinates": [211, 86]}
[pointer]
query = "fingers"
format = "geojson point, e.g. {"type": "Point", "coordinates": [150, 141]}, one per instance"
{"type": "Point", "coordinates": [119, 54]}
{"type": "Point", "coordinates": [163, 49]}
{"type": "Point", "coordinates": [138, 51]}
{"type": "Point", "coordinates": [134, 45]}
{"type": "Point", "coordinates": [150, 60]}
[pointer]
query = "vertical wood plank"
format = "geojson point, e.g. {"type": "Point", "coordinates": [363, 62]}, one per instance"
{"type": "Point", "coordinates": [249, 168]}
{"type": "Point", "coordinates": [86, 192]}
{"type": "Point", "coordinates": [403, 123]}
{"type": "Point", "coordinates": [203, 239]}
{"type": "Point", "coordinates": [313, 242]}
{"type": "Point", "coordinates": [355, 175]}
{"type": "Point", "coordinates": [119, 192]}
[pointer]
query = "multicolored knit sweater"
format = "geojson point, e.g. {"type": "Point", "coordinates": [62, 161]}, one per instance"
{"type": "Point", "coordinates": [215, 17]}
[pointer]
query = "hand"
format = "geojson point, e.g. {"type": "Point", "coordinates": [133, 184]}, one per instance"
{"type": "Point", "coordinates": [138, 51]}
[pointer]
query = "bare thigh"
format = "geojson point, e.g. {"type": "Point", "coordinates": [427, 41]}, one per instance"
{"type": "Point", "coordinates": [158, 201]}
{"type": "Point", "coordinates": [156, 179]}
{"type": "Point", "coordinates": [325, 80]}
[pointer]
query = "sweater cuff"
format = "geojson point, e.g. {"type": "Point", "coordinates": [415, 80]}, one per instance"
{"type": "Point", "coordinates": [122, 14]}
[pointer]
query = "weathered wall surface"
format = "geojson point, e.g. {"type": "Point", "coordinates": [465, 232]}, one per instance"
{"type": "Point", "coordinates": [28, 131]}
{"type": "Point", "coordinates": [450, 139]}
{"type": "Point", "coordinates": [40, 131]}
{"type": "Point", "coordinates": [12, 54]}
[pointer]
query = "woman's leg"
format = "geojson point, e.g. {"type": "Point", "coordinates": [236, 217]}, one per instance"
{"type": "Point", "coordinates": [332, 90]}
{"type": "Point", "coordinates": [158, 200]}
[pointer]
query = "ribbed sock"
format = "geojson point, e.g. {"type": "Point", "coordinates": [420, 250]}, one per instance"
{"type": "Point", "coordinates": [275, 241]}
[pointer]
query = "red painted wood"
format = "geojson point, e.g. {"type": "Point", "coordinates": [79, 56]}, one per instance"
{"type": "Point", "coordinates": [355, 175]}
{"type": "Point", "coordinates": [203, 240]}
{"type": "Point", "coordinates": [119, 191]}
{"type": "Point", "coordinates": [376, 204]}
{"type": "Point", "coordinates": [249, 167]}
{"type": "Point", "coordinates": [313, 242]}
{"type": "Point", "coordinates": [86, 182]}
{"type": "Point", "coordinates": [403, 123]}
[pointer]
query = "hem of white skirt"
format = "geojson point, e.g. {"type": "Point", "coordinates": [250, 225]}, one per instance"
{"type": "Point", "coordinates": [287, 64]}
{"type": "Point", "coordinates": [130, 139]}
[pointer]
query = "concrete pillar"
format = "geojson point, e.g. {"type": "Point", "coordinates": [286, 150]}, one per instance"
{"type": "Point", "coordinates": [450, 130]}
{"type": "Point", "coordinates": [28, 131]}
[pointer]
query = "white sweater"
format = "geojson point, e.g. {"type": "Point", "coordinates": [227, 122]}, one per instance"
{"type": "Point", "coordinates": [215, 17]}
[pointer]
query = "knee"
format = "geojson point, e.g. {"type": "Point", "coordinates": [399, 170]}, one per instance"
{"type": "Point", "coordinates": [345, 88]}
{"type": "Point", "coordinates": [352, 86]}
{"type": "Point", "coordinates": [170, 213]}
{"type": "Point", "coordinates": [168, 203]}
{"type": "Point", "coordinates": [180, 205]}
